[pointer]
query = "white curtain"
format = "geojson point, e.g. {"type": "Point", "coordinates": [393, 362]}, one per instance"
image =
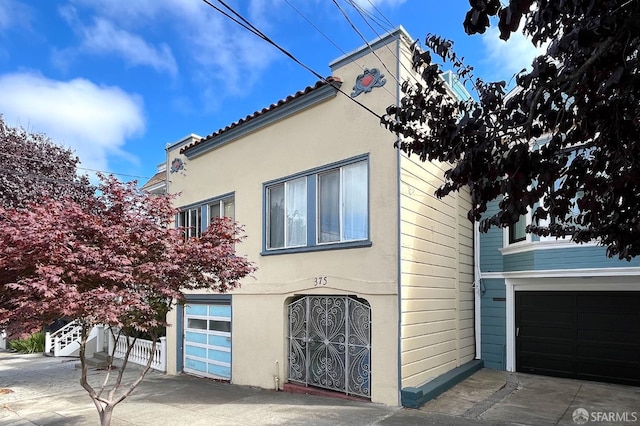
{"type": "Point", "coordinates": [296, 212]}
{"type": "Point", "coordinates": [354, 202]}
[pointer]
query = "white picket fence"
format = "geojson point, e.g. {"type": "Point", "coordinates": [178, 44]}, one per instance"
{"type": "Point", "coordinates": [141, 352]}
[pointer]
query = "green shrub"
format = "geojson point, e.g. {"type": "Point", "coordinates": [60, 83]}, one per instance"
{"type": "Point", "coordinates": [30, 345]}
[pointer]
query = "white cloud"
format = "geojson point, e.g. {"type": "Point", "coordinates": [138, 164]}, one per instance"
{"type": "Point", "coordinates": [104, 37]}
{"type": "Point", "coordinates": [93, 120]}
{"type": "Point", "coordinates": [369, 4]}
{"type": "Point", "coordinates": [226, 59]}
{"type": "Point", "coordinates": [4, 15]}
{"type": "Point", "coordinates": [508, 58]}
{"type": "Point", "coordinates": [14, 14]}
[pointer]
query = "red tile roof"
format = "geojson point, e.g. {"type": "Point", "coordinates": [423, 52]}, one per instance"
{"type": "Point", "coordinates": [263, 111]}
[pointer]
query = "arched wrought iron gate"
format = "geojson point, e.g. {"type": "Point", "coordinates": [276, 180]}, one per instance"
{"type": "Point", "coordinates": [330, 343]}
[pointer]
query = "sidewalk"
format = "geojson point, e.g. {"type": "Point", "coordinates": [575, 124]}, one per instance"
{"type": "Point", "coordinates": [37, 390]}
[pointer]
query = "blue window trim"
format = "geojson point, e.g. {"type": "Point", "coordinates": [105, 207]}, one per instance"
{"type": "Point", "coordinates": [204, 208]}
{"type": "Point", "coordinates": [312, 244]}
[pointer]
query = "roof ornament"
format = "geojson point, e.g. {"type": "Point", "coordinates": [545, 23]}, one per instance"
{"type": "Point", "coordinates": [366, 81]}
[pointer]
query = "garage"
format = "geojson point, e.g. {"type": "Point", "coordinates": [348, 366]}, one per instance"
{"type": "Point", "coordinates": [207, 340]}
{"type": "Point", "coordinates": [588, 335]}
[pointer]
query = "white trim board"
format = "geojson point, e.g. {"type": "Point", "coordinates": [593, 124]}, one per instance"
{"type": "Point", "coordinates": [566, 273]}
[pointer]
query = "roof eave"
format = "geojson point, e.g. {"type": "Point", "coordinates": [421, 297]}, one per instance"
{"type": "Point", "coordinates": [292, 105]}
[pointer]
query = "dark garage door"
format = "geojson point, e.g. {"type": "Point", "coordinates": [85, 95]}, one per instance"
{"type": "Point", "coordinates": [582, 335]}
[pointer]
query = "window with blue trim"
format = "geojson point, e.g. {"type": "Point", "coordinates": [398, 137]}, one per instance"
{"type": "Point", "coordinates": [343, 204]}
{"type": "Point", "coordinates": [191, 221]}
{"type": "Point", "coordinates": [196, 218]}
{"type": "Point", "coordinates": [329, 205]}
{"type": "Point", "coordinates": [287, 214]}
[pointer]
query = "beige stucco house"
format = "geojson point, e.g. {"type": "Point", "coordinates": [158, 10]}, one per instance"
{"type": "Point", "coordinates": [364, 281]}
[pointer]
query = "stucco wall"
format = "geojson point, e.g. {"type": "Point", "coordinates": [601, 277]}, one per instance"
{"type": "Point", "coordinates": [329, 132]}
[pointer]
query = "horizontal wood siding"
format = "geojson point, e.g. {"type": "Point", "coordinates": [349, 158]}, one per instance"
{"type": "Point", "coordinates": [493, 317]}
{"type": "Point", "coordinates": [579, 257]}
{"type": "Point", "coordinates": [490, 244]}
{"type": "Point", "coordinates": [519, 261]}
{"type": "Point", "coordinates": [436, 267]}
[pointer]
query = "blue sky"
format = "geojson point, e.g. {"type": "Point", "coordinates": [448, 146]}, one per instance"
{"type": "Point", "coordinates": [118, 80]}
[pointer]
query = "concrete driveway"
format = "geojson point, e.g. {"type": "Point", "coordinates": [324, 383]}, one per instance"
{"type": "Point", "coordinates": [36, 390]}
{"type": "Point", "coordinates": [527, 399]}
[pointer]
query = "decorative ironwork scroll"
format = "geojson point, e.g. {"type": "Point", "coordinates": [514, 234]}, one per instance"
{"type": "Point", "coordinates": [330, 343]}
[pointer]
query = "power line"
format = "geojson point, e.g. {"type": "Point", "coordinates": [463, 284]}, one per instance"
{"type": "Point", "coordinates": [346, 16]}
{"type": "Point", "coordinates": [252, 28]}
{"type": "Point", "coordinates": [331, 41]}
{"type": "Point", "coordinates": [362, 14]}
{"type": "Point", "coordinates": [363, 11]}
{"type": "Point", "coordinates": [381, 14]}
{"type": "Point", "coordinates": [6, 154]}
{"type": "Point", "coordinates": [39, 176]}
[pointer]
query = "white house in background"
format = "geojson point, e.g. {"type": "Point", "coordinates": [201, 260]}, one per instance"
{"type": "Point", "coordinates": [158, 182]}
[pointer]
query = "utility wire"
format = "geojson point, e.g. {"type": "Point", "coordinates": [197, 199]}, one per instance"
{"type": "Point", "coordinates": [391, 26]}
{"type": "Point", "coordinates": [39, 176]}
{"type": "Point", "coordinates": [261, 35]}
{"type": "Point", "coordinates": [6, 154]}
{"type": "Point", "coordinates": [331, 41]}
{"type": "Point", "coordinates": [361, 12]}
{"type": "Point", "coordinates": [353, 26]}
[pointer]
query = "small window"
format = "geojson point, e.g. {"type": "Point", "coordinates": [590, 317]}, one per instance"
{"type": "Point", "coordinates": [518, 231]}
{"type": "Point", "coordinates": [287, 214]}
{"type": "Point", "coordinates": [223, 326]}
{"type": "Point", "coordinates": [222, 208]}
{"type": "Point", "coordinates": [343, 204]}
{"type": "Point", "coordinates": [199, 324]}
{"type": "Point", "coordinates": [191, 221]}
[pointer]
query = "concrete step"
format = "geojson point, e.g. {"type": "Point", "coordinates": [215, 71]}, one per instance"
{"type": "Point", "coordinates": [102, 356]}
{"type": "Point", "coordinates": [99, 360]}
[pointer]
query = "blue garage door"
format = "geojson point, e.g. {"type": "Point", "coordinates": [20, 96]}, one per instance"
{"type": "Point", "coordinates": [207, 340]}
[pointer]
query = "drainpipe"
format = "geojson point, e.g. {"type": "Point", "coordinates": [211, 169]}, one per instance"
{"type": "Point", "coordinates": [477, 289]}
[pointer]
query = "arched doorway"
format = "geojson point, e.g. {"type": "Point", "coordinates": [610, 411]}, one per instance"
{"type": "Point", "coordinates": [330, 343]}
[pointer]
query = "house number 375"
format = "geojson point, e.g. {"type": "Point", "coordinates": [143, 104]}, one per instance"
{"type": "Point", "coordinates": [319, 281]}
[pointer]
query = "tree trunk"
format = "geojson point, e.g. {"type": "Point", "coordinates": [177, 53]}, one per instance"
{"type": "Point", "coordinates": [106, 414]}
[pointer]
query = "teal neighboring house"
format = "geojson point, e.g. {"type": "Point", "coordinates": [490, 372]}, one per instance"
{"type": "Point", "coordinates": [556, 308]}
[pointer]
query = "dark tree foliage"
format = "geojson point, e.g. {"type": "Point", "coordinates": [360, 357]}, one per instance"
{"type": "Point", "coordinates": [32, 167]}
{"type": "Point", "coordinates": [564, 143]}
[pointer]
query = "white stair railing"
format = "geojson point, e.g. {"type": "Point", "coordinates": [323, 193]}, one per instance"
{"type": "Point", "coordinates": [141, 352]}
{"type": "Point", "coordinates": [65, 341]}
